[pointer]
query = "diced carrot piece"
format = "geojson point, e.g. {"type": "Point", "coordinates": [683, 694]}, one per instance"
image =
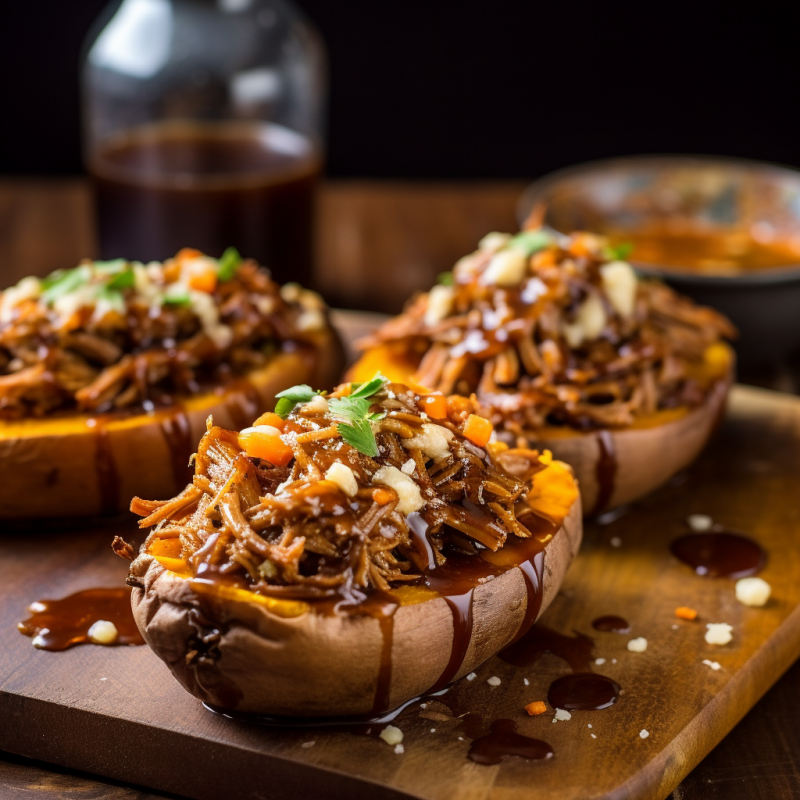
{"type": "Point", "coordinates": [582, 244]}
{"type": "Point", "coordinates": [458, 407]}
{"type": "Point", "coordinates": [266, 445]}
{"type": "Point", "coordinates": [544, 258]}
{"type": "Point", "coordinates": [434, 405]}
{"type": "Point", "coordinates": [478, 430]}
{"type": "Point", "coordinates": [685, 613]}
{"type": "Point", "coordinates": [535, 708]}
{"type": "Point", "coordinates": [270, 418]}
{"type": "Point", "coordinates": [187, 254]}
{"type": "Point", "coordinates": [382, 496]}
{"type": "Point", "coordinates": [203, 279]}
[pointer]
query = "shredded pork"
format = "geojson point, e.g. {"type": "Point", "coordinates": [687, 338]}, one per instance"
{"type": "Point", "coordinates": [548, 331]}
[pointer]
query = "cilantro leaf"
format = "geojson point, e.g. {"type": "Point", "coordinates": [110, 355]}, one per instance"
{"type": "Point", "coordinates": [529, 242]}
{"type": "Point", "coordinates": [123, 280]}
{"type": "Point", "coordinates": [229, 264]}
{"type": "Point", "coordinates": [63, 282]}
{"type": "Point", "coordinates": [618, 252]}
{"type": "Point", "coordinates": [117, 265]}
{"type": "Point", "coordinates": [289, 398]}
{"type": "Point", "coordinates": [446, 278]}
{"type": "Point", "coordinates": [369, 388]}
{"type": "Point", "coordinates": [351, 408]}
{"type": "Point", "coordinates": [360, 436]}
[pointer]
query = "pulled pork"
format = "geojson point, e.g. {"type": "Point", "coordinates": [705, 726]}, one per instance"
{"type": "Point", "coordinates": [555, 331]}
{"type": "Point", "coordinates": [117, 335]}
{"type": "Point", "coordinates": [332, 520]}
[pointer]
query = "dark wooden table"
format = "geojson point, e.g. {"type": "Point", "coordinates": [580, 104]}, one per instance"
{"type": "Point", "coordinates": [378, 242]}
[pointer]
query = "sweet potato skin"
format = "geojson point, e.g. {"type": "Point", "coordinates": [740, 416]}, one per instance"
{"type": "Point", "coordinates": [60, 467]}
{"type": "Point", "coordinates": [306, 664]}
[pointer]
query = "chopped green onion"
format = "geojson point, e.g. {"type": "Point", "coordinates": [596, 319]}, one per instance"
{"type": "Point", "coordinates": [63, 282]}
{"type": "Point", "coordinates": [229, 264]}
{"type": "Point", "coordinates": [529, 242]}
{"type": "Point", "coordinates": [446, 278]}
{"type": "Point", "coordinates": [117, 265]}
{"type": "Point", "coordinates": [123, 280]}
{"type": "Point", "coordinates": [618, 252]}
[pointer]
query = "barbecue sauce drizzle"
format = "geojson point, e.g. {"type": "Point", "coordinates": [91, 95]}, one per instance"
{"type": "Point", "coordinates": [60, 624]}
{"type": "Point", "coordinates": [605, 471]}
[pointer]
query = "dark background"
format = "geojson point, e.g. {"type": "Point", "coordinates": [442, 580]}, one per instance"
{"type": "Point", "coordinates": [500, 88]}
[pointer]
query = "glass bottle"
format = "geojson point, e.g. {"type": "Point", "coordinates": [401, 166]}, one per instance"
{"type": "Point", "coordinates": [203, 128]}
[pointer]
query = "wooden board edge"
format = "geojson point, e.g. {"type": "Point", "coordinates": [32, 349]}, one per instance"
{"type": "Point", "coordinates": [244, 773]}
{"type": "Point", "coordinates": [662, 775]}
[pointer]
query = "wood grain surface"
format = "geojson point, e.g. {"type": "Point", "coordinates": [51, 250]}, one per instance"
{"type": "Point", "coordinates": [45, 225]}
{"type": "Point", "coordinates": [57, 707]}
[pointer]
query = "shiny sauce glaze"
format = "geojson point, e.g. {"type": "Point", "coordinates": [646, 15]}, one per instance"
{"type": "Point", "coordinates": [60, 624]}
{"type": "Point", "coordinates": [605, 471]}
{"type": "Point", "coordinates": [108, 480]}
{"type": "Point", "coordinates": [583, 691]}
{"type": "Point", "coordinates": [720, 554]}
{"type": "Point", "coordinates": [503, 741]}
{"type": "Point", "coordinates": [611, 624]}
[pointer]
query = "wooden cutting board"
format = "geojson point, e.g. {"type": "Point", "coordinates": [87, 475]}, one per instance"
{"type": "Point", "coordinates": [117, 712]}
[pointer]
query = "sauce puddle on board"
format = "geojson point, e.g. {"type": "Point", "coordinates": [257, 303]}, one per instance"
{"type": "Point", "coordinates": [503, 741]}
{"type": "Point", "coordinates": [611, 624]}
{"type": "Point", "coordinates": [720, 554]}
{"type": "Point", "coordinates": [60, 624]}
{"type": "Point", "coordinates": [583, 691]}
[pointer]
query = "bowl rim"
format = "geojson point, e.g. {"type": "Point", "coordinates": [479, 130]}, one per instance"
{"type": "Point", "coordinates": [773, 275]}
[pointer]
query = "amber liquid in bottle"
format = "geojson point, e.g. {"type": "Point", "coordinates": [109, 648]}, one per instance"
{"type": "Point", "coordinates": [210, 186]}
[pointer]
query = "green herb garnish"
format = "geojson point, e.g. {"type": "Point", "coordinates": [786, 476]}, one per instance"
{"type": "Point", "coordinates": [112, 298]}
{"type": "Point", "coordinates": [289, 398]}
{"type": "Point", "coordinates": [446, 279]}
{"type": "Point", "coordinates": [618, 252]}
{"type": "Point", "coordinates": [63, 282]}
{"type": "Point", "coordinates": [176, 296]}
{"type": "Point", "coordinates": [117, 265]}
{"type": "Point", "coordinates": [357, 431]}
{"type": "Point", "coordinates": [125, 279]}
{"type": "Point", "coordinates": [229, 264]}
{"type": "Point", "coordinates": [359, 435]}
{"type": "Point", "coordinates": [529, 242]}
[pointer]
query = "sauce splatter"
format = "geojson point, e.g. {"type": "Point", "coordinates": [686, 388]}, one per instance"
{"type": "Point", "coordinates": [503, 742]}
{"type": "Point", "coordinates": [720, 554]}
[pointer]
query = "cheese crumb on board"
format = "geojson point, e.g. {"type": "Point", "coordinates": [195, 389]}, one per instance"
{"type": "Point", "coordinates": [399, 749]}
{"type": "Point", "coordinates": [699, 522]}
{"type": "Point", "coordinates": [638, 645]}
{"type": "Point", "coordinates": [644, 734]}
{"type": "Point", "coordinates": [599, 661]}
{"type": "Point", "coordinates": [753, 591]}
{"type": "Point", "coordinates": [718, 633]}
{"type": "Point", "coordinates": [391, 735]}
{"type": "Point", "coordinates": [494, 681]}
{"type": "Point", "coordinates": [103, 632]}
{"type": "Point", "coordinates": [715, 665]}
{"type": "Point", "coordinates": [562, 715]}
{"type": "Point", "coordinates": [471, 676]}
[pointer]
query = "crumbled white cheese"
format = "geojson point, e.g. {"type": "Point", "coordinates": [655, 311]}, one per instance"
{"type": "Point", "coordinates": [619, 282]}
{"type": "Point", "coordinates": [533, 290]}
{"type": "Point", "coordinates": [699, 522]}
{"type": "Point", "coordinates": [290, 292]}
{"type": "Point", "coordinates": [343, 477]}
{"type": "Point", "coordinates": [103, 632]}
{"type": "Point", "coordinates": [599, 661]}
{"type": "Point", "coordinates": [526, 681]}
{"type": "Point", "coordinates": [433, 730]}
{"type": "Point", "coordinates": [312, 319]}
{"type": "Point", "coordinates": [27, 289]}
{"type": "Point", "coordinates": [753, 591]}
{"type": "Point", "coordinates": [589, 725]}
{"type": "Point", "coordinates": [493, 242]}
{"type": "Point", "coordinates": [638, 645]}
{"type": "Point", "coordinates": [507, 268]}
{"type": "Point", "coordinates": [440, 304]}
{"type": "Point", "coordinates": [318, 404]}
{"type": "Point", "coordinates": [434, 441]}
{"type": "Point", "coordinates": [590, 320]}
{"type": "Point", "coordinates": [409, 467]}
{"type": "Point", "coordinates": [562, 715]}
{"type": "Point", "coordinates": [306, 745]}
{"type": "Point", "coordinates": [267, 430]}
{"type": "Point", "coordinates": [471, 676]}
{"type": "Point", "coordinates": [391, 735]}
{"type": "Point", "coordinates": [494, 681]}
{"type": "Point", "coordinates": [399, 749]}
{"type": "Point", "coordinates": [267, 569]}
{"type": "Point", "coordinates": [718, 633]}
{"type": "Point", "coordinates": [715, 665]}
{"type": "Point", "coordinates": [408, 491]}
{"type": "Point", "coordinates": [644, 734]}
{"type": "Point", "coordinates": [593, 736]}
{"type": "Point", "coordinates": [221, 335]}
